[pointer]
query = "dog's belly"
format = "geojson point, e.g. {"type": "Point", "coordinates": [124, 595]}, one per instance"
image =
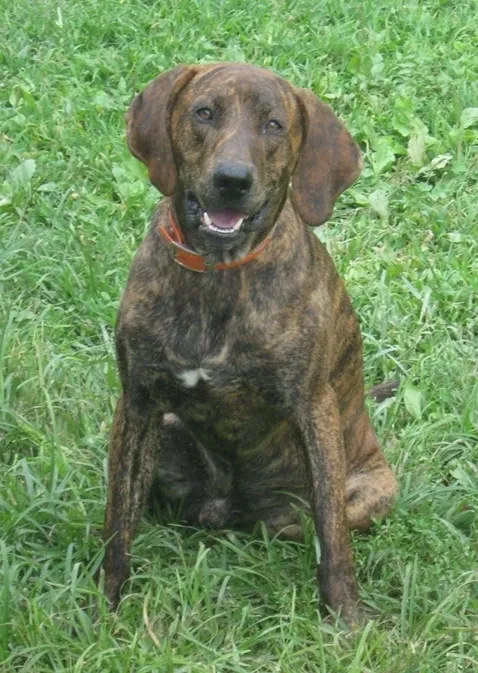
{"type": "Point", "coordinates": [270, 474]}
{"type": "Point", "coordinates": [230, 415]}
{"type": "Point", "coordinates": [260, 474]}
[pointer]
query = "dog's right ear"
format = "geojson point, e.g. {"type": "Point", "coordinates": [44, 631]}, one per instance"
{"type": "Point", "coordinates": [148, 121]}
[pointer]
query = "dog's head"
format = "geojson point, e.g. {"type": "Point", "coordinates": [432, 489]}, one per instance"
{"type": "Point", "coordinates": [225, 140]}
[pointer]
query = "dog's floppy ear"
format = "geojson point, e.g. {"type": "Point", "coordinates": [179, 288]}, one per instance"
{"type": "Point", "coordinates": [147, 122]}
{"type": "Point", "coordinates": [329, 161]}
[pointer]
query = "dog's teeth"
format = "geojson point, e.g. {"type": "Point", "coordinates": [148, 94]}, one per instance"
{"type": "Point", "coordinates": [209, 223]}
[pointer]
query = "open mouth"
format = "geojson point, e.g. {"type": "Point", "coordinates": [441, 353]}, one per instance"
{"type": "Point", "coordinates": [226, 222]}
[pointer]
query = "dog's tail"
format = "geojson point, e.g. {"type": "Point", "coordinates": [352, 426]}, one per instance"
{"type": "Point", "coordinates": [383, 391]}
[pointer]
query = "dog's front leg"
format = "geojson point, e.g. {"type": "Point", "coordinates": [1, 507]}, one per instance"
{"type": "Point", "coordinates": [319, 423]}
{"type": "Point", "coordinates": [130, 473]}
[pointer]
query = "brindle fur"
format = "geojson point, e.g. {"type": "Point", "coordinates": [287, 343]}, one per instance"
{"type": "Point", "coordinates": [281, 417]}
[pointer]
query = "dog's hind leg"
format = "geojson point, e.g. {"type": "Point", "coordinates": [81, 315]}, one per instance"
{"type": "Point", "coordinates": [371, 485]}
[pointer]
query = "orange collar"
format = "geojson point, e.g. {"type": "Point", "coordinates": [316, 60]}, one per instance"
{"type": "Point", "coordinates": [191, 260]}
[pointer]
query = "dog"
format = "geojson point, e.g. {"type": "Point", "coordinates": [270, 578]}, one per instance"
{"type": "Point", "coordinates": [239, 353]}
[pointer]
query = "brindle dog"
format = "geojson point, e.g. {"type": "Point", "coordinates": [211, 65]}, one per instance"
{"type": "Point", "coordinates": [242, 384]}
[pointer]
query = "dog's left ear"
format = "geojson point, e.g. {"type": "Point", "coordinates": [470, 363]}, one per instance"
{"type": "Point", "coordinates": [329, 161]}
{"type": "Point", "coordinates": [148, 121]}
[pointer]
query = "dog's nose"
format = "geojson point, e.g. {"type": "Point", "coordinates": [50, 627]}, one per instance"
{"type": "Point", "coordinates": [233, 177]}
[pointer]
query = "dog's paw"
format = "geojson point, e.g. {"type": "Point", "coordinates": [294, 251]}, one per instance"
{"type": "Point", "coordinates": [339, 592]}
{"type": "Point", "coordinates": [215, 513]}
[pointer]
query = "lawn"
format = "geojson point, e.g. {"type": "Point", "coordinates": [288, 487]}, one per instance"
{"type": "Point", "coordinates": [74, 206]}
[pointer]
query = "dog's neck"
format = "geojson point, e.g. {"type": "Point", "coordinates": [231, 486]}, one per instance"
{"type": "Point", "coordinates": [193, 261]}
{"type": "Point", "coordinates": [187, 255]}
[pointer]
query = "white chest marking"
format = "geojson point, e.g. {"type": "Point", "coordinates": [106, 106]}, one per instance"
{"type": "Point", "coordinates": [190, 377]}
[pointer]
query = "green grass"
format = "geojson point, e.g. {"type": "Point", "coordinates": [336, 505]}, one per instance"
{"type": "Point", "coordinates": [74, 206]}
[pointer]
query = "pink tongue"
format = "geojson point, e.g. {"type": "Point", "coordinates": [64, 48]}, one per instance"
{"type": "Point", "coordinates": [227, 218]}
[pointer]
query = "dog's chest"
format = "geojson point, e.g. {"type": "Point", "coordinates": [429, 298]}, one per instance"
{"type": "Point", "coordinates": [216, 349]}
{"type": "Point", "coordinates": [210, 376]}
{"type": "Point", "coordinates": [191, 377]}
{"type": "Point", "coordinates": [205, 376]}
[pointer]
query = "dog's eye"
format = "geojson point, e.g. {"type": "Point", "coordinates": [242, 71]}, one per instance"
{"type": "Point", "coordinates": [204, 114]}
{"type": "Point", "coordinates": [273, 125]}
